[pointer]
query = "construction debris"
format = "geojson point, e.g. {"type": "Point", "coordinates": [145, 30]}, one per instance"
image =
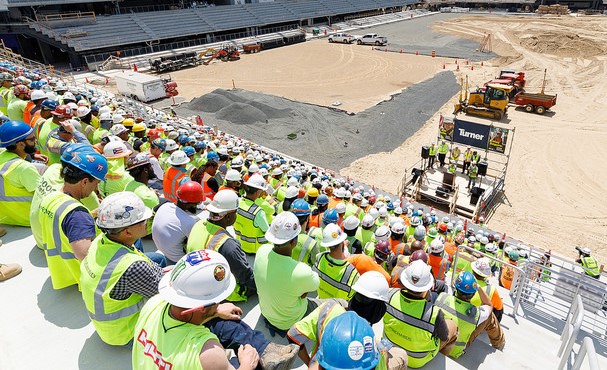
{"type": "Point", "coordinates": [553, 9]}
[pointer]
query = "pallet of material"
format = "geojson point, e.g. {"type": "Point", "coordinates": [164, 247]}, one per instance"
{"type": "Point", "coordinates": [553, 9]}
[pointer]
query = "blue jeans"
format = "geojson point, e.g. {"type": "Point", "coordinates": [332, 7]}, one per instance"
{"type": "Point", "coordinates": [233, 333]}
{"type": "Point", "coordinates": [159, 258]}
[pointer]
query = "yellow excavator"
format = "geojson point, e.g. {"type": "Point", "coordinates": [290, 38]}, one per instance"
{"type": "Point", "coordinates": [490, 101]}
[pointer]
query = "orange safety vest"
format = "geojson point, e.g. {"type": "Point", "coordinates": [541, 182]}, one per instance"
{"type": "Point", "coordinates": [27, 114]}
{"type": "Point", "coordinates": [401, 263]}
{"type": "Point", "coordinates": [172, 178]}
{"type": "Point", "coordinates": [314, 221]}
{"type": "Point", "coordinates": [225, 187]}
{"type": "Point", "coordinates": [507, 275]}
{"type": "Point", "coordinates": [397, 246]}
{"type": "Point", "coordinates": [439, 266]}
{"type": "Point", "coordinates": [206, 190]}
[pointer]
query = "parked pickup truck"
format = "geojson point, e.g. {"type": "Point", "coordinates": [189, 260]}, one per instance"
{"type": "Point", "coordinates": [535, 102]}
{"type": "Point", "coordinates": [372, 39]}
{"type": "Point", "coordinates": [341, 37]}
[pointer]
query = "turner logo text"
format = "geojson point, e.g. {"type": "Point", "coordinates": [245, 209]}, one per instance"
{"type": "Point", "coordinates": [471, 135]}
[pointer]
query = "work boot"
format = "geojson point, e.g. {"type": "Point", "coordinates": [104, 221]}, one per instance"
{"type": "Point", "coordinates": [9, 271]}
{"type": "Point", "coordinates": [2, 232]}
{"type": "Point", "coordinates": [278, 357]}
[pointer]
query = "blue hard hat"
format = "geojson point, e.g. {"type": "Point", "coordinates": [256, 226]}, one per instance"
{"type": "Point", "coordinates": [160, 143]}
{"type": "Point", "coordinates": [466, 283]}
{"type": "Point", "coordinates": [330, 216]}
{"type": "Point", "coordinates": [189, 150]}
{"type": "Point", "coordinates": [13, 132]}
{"type": "Point", "coordinates": [183, 139]}
{"type": "Point", "coordinates": [200, 145]}
{"type": "Point", "coordinates": [390, 206]}
{"type": "Point", "coordinates": [95, 108]}
{"type": "Point", "coordinates": [88, 161]}
{"type": "Point", "coordinates": [67, 150]}
{"type": "Point", "coordinates": [322, 199]}
{"type": "Point", "coordinates": [348, 342]}
{"type": "Point", "coordinates": [300, 207]}
{"type": "Point", "coordinates": [212, 156]}
{"type": "Point", "coordinates": [49, 104]}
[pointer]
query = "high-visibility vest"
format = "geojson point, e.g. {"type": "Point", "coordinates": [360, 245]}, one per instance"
{"type": "Point", "coordinates": [473, 171]}
{"type": "Point", "coordinates": [306, 250]}
{"type": "Point", "coordinates": [313, 326]}
{"type": "Point", "coordinates": [455, 153]}
{"type": "Point", "coordinates": [117, 178]}
{"type": "Point", "coordinates": [364, 236]}
{"type": "Point", "coordinates": [206, 235]}
{"type": "Point", "coordinates": [206, 190]}
{"type": "Point", "coordinates": [336, 277]}
{"type": "Point", "coordinates": [15, 109]}
{"type": "Point", "coordinates": [402, 262]}
{"type": "Point", "coordinates": [468, 156]}
{"type": "Point", "coordinates": [464, 314]}
{"type": "Point", "coordinates": [27, 115]}
{"type": "Point", "coordinates": [63, 266]}
{"type": "Point", "coordinates": [476, 158]}
{"type": "Point", "coordinates": [398, 248]}
{"type": "Point", "coordinates": [443, 148]}
{"type": "Point", "coordinates": [590, 265]}
{"type": "Point", "coordinates": [439, 266]}
{"type": "Point", "coordinates": [89, 131]}
{"type": "Point", "coordinates": [45, 131]}
{"type": "Point", "coordinates": [464, 262]}
{"type": "Point", "coordinates": [172, 179]}
{"type": "Point", "coordinates": [507, 275]}
{"type": "Point", "coordinates": [432, 151]}
{"type": "Point", "coordinates": [492, 293]}
{"type": "Point", "coordinates": [409, 323]}
{"type": "Point", "coordinates": [162, 342]}
{"type": "Point", "coordinates": [354, 210]}
{"type": "Point", "coordinates": [5, 99]}
{"type": "Point", "coordinates": [103, 266]}
{"type": "Point", "coordinates": [251, 237]}
{"type": "Point", "coordinates": [267, 207]}
{"type": "Point", "coordinates": [15, 200]}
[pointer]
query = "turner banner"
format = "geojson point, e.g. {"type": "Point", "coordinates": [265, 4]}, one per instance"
{"type": "Point", "coordinates": [470, 133]}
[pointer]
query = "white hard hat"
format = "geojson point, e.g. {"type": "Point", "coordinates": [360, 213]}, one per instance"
{"type": "Point", "coordinates": [484, 240]}
{"type": "Point", "coordinates": [373, 212]}
{"type": "Point", "coordinates": [254, 168]}
{"type": "Point", "coordinates": [38, 94]}
{"type": "Point", "coordinates": [116, 149]}
{"type": "Point", "coordinates": [364, 203]}
{"type": "Point", "coordinates": [199, 279]}
{"type": "Point", "coordinates": [341, 208]}
{"type": "Point", "coordinates": [586, 250]}
{"type": "Point", "coordinates": [233, 175]}
{"type": "Point", "coordinates": [277, 172]}
{"type": "Point", "coordinates": [82, 111]}
{"type": "Point", "coordinates": [117, 129]}
{"type": "Point", "coordinates": [106, 109]}
{"type": "Point", "coordinates": [382, 233]}
{"type": "Point", "coordinates": [178, 157]}
{"type": "Point", "coordinates": [223, 201]}
{"type": "Point", "coordinates": [482, 267]}
{"type": "Point", "coordinates": [491, 248]}
{"type": "Point", "coordinates": [292, 192]}
{"type": "Point", "coordinates": [257, 181]}
{"type": "Point", "coordinates": [340, 192]}
{"type": "Point", "coordinates": [171, 145]}
{"type": "Point", "coordinates": [372, 284]}
{"type": "Point", "coordinates": [68, 96]}
{"type": "Point", "coordinates": [367, 221]}
{"type": "Point", "coordinates": [222, 151]}
{"type": "Point", "coordinates": [417, 277]}
{"type": "Point", "coordinates": [437, 246]}
{"type": "Point", "coordinates": [351, 222]}
{"type": "Point", "coordinates": [173, 135]}
{"type": "Point", "coordinates": [121, 210]}
{"type": "Point", "coordinates": [284, 228]}
{"type": "Point", "coordinates": [398, 211]}
{"type": "Point", "coordinates": [236, 162]}
{"type": "Point", "coordinates": [262, 171]}
{"type": "Point", "coordinates": [293, 182]}
{"type": "Point", "coordinates": [332, 235]}
{"type": "Point", "coordinates": [117, 118]}
{"type": "Point", "coordinates": [398, 228]}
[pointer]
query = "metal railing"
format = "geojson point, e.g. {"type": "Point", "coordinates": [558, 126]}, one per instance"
{"type": "Point", "coordinates": [66, 17]}
{"type": "Point", "coordinates": [571, 331]}
{"type": "Point", "coordinates": [586, 350]}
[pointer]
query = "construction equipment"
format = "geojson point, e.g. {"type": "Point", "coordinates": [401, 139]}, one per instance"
{"type": "Point", "coordinates": [490, 102]}
{"type": "Point", "coordinates": [251, 48]}
{"type": "Point", "coordinates": [225, 54]}
{"type": "Point", "coordinates": [536, 102]}
{"type": "Point", "coordinates": [174, 62]}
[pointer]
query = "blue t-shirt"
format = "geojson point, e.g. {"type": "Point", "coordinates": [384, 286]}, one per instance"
{"type": "Point", "coordinates": [78, 225]}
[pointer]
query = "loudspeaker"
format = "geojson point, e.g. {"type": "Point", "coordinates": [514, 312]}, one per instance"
{"type": "Point", "coordinates": [442, 192]}
{"type": "Point", "coordinates": [482, 168]}
{"type": "Point", "coordinates": [475, 193]}
{"type": "Point", "coordinates": [425, 152]}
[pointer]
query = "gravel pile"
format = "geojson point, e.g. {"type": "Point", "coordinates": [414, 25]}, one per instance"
{"type": "Point", "coordinates": [322, 133]}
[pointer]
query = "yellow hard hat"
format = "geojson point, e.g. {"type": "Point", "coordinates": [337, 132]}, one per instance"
{"type": "Point", "coordinates": [313, 192]}
{"type": "Point", "coordinates": [129, 122]}
{"type": "Point", "coordinates": [138, 127]}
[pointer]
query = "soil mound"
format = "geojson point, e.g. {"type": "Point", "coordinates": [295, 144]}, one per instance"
{"type": "Point", "coordinates": [563, 45]}
{"type": "Point", "coordinates": [241, 113]}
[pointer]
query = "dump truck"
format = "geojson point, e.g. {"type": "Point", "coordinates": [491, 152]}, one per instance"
{"type": "Point", "coordinates": [490, 101]}
{"type": "Point", "coordinates": [535, 102]}
{"type": "Point", "coordinates": [143, 87]}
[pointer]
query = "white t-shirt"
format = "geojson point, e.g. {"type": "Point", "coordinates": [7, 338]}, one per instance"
{"type": "Point", "coordinates": [170, 230]}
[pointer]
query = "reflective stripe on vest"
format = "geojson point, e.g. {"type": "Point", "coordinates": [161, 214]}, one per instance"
{"type": "Point", "coordinates": [99, 314]}
{"type": "Point", "coordinates": [440, 302]}
{"type": "Point", "coordinates": [58, 251]}
{"type": "Point", "coordinates": [206, 190]}
{"type": "Point", "coordinates": [305, 248]}
{"type": "Point", "coordinates": [3, 196]}
{"type": "Point", "coordinates": [423, 323]}
{"type": "Point", "coordinates": [250, 215]}
{"type": "Point", "coordinates": [342, 284]}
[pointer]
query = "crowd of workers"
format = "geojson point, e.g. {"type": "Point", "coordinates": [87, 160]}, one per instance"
{"type": "Point", "coordinates": [92, 180]}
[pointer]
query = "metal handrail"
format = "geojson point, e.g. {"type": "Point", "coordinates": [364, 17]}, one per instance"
{"type": "Point", "coordinates": [586, 350]}
{"type": "Point", "coordinates": [570, 332]}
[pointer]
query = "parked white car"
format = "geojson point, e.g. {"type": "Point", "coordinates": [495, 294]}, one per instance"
{"type": "Point", "coordinates": [372, 39]}
{"type": "Point", "coordinates": [341, 37]}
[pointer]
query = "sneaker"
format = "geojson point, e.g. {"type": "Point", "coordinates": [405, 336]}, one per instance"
{"type": "Point", "coordinates": [278, 357]}
{"type": "Point", "coordinates": [9, 271]}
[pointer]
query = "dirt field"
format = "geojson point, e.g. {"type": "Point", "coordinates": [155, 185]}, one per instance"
{"type": "Point", "coordinates": [555, 184]}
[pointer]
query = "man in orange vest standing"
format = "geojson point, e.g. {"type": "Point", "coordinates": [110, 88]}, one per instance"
{"type": "Point", "coordinates": [175, 175]}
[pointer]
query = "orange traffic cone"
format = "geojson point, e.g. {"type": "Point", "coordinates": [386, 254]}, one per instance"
{"type": "Point", "coordinates": [457, 69]}
{"type": "Point", "coordinates": [481, 63]}
{"type": "Point", "coordinates": [134, 67]}
{"type": "Point", "coordinates": [86, 79]}
{"type": "Point", "coordinates": [444, 66]}
{"type": "Point", "coordinates": [472, 68]}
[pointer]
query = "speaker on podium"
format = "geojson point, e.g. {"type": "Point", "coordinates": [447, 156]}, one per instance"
{"type": "Point", "coordinates": [425, 152]}
{"type": "Point", "coordinates": [482, 168]}
{"type": "Point", "coordinates": [475, 193]}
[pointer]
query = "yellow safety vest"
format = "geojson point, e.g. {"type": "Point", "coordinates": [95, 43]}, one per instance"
{"type": "Point", "coordinates": [409, 323]}
{"type": "Point", "coordinates": [250, 236]}
{"type": "Point", "coordinates": [306, 250]}
{"type": "Point", "coordinates": [63, 266]}
{"type": "Point", "coordinates": [591, 266]}
{"type": "Point", "coordinates": [464, 314]}
{"type": "Point", "coordinates": [5, 99]}
{"type": "Point", "coordinates": [15, 202]}
{"type": "Point", "coordinates": [176, 347]}
{"type": "Point", "coordinates": [45, 131]}
{"type": "Point", "coordinates": [336, 277]}
{"type": "Point", "coordinates": [101, 269]}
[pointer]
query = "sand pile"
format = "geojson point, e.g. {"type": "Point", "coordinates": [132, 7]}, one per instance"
{"type": "Point", "coordinates": [563, 44]}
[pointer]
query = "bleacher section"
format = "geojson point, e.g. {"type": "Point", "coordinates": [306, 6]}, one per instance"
{"type": "Point", "coordinates": [137, 28]}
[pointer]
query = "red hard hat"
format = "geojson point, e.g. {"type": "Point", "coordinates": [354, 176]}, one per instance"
{"type": "Point", "coordinates": [153, 134]}
{"type": "Point", "coordinates": [190, 192]}
{"type": "Point", "coordinates": [63, 110]}
{"type": "Point", "coordinates": [383, 247]}
{"type": "Point", "coordinates": [442, 227]}
{"type": "Point", "coordinates": [419, 255]}
{"type": "Point", "coordinates": [20, 89]}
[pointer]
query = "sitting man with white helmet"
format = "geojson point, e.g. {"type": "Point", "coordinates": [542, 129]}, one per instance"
{"type": "Point", "coordinates": [251, 223]}
{"type": "Point", "coordinates": [118, 177]}
{"type": "Point", "coordinates": [187, 327]}
{"type": "Point", "coordinates": [212, 234]}
{"type": "Point", "coordinates": [282, 282]}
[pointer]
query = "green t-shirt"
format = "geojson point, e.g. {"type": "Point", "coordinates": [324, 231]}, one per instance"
{"type": "Point", "coordinates": [281, 281]}
{"type": "Point", "coordinates": [15, 109]}
{"type": "Point", "coordinates": [147, 195]}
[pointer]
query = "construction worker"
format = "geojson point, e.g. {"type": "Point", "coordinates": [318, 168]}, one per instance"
{"type": "Point", "coordinates": [156, 150]}
{"type": "Point", "coordinates": [33, 105]}
{"type": "Point", "coordinates": [351, 224]}
{"type": "Point", "coordinates": [507, 272]}
{"type": "Point", "coordinates": [467, 160]}
{"type": "Point", "coordinates": [397, 233]}
{"type": "Point", "coordinates": [471, 320]}
{"type": "Point", "coordinates": [175, 175]}
{"type": "Point", "coordinates": [233, 181]}
{"type": "Point", "coordinates": [140, 169]}
{"type": "Point", "coordinates": [67, 133]}
{"type": "Point", "coordinates": [18, 177]}
{"type": "Point", "coordinates": [336, 274]}
{"type": "Point", "coordinates": [42, 115]}
{"type": "Point", "coordinates": [452, 166]}
{"type": "Point", "coordinates": [65, 246]}
{"type": "Point", "coordinates": [17, 105]}
{"type": "Point", "coordinates": [170, 147]}
{"type": "Point", "coordinates": [322, 203]}
{"type": "Point", "coordinates": [382, 233]}
{"type": "Point", "coordinates": [481, 269]}
{"type": "Point", "coordinates": [85, 115]}
{"type": "Point", "coordinates": [365, 233]}
{"type": "Point", "coordinates": [588, 263]}
{"type": "Point", "coordinates": [368, 303]}
{"type": "Point", "coordinates": [443, 149]}
{"type": "Point", "coordinates": [61, 113]}
{"type": "Point", "coordinates": [410, 230]}
{"type": "Point", "coordinates": [251, 223]}
{"type": "Point", "coordinates": [437, 262]}
{"type": "Point", "coordinates": [6, 90]}
{"type": "Point", "coordinates": [455, 154]}
{"type": "Point", "coordinates": [138, 137]}
{"type": "Point", "coordinates": [476, 157]}
{"type": "Point", "coordinates": [205, 175]}
{"type": "Point", "coordinates": [118, 177]}
{"type": "Point", "coordinates": [115, 277]}
{"type": "Point", "coordinates": [306, 250]}
{"type": "Point", "coordinates": [212, 234]}
{"type": "Point", "coordinates": [282, 282]}
{"type": "Point", "coordinates": [173, 222]}
{"type": "Point", "coordinates": [329, 216]}
{"type": "Point", "coordinates": [472, 175]}
{"type": "Point", "coordinates": [185, 328]}
{"type": "Point", "coordinates": [409, 311]}
{"type": "Point", "coordinates": [381, 261]}
{"type": "Point", "coordinates": [431, 156]}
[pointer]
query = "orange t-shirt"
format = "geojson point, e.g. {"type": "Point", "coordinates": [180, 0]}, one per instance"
{"type": "Point", "coordinates": [364, 263]}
